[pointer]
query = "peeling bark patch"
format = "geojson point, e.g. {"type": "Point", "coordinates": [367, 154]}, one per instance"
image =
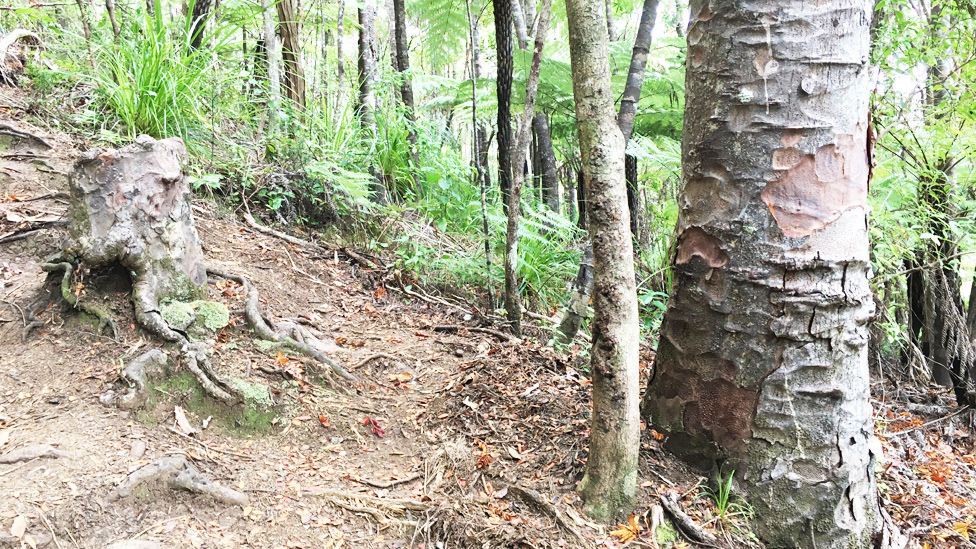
{"type": "Point", "coordinates": [816, 189]}
{"type": "Point", "coordinates": [696, 242]}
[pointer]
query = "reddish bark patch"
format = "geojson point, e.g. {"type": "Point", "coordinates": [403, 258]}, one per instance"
{"type": "Point", "coordinates": [723, 410]}
{"type": "Point", "coordinates": [816, 189]}
{"type": "Point", "coordinates": [696, 242]}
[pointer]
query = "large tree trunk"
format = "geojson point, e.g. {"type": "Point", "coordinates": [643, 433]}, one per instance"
{"type": "Point", "coordinates": [503, 90]}
{"type": "Point", "coordinates": [513, 301]}
{"type": "Point", "coordinates": [608, 487]}
{"type": "Point", "coordinates": [406, 86]}
{"type": "Point", "coordinates": [762, 362]}
{"type": "Point", "coordinates": [291, 52]}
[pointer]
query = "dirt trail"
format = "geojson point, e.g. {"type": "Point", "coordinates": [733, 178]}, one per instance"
{"type": "Point", "coordinates": [444, 421]}
{"type": "Point", "coordinates": [458, 437]}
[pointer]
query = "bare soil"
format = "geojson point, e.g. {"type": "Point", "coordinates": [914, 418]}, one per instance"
{"type": "Point", "coordinates": [429, 451]}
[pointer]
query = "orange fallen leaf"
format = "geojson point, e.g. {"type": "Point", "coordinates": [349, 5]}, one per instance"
{"type": "Point", "coordinates": [627, 532]}
{"type": "Point", "coordinates": [281, 359]}
{"type": "Point", "coordinates": [962, 528]}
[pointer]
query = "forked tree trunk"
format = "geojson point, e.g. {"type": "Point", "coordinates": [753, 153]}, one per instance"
{"type": "Point", "coordinates": [291, 52]}
{"type": "Point", "coordinates": [503, 90]}
{"type": "Point", "coordinates": [609, 485]}
{"type": "Point", "coordinates": [762, 364]}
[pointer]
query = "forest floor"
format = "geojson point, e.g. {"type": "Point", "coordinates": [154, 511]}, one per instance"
{"type": "Point", "coordinates": [455, 437]}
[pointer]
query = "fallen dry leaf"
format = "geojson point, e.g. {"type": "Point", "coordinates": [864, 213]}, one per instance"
{"type": "Point", "coordinates": [627, 532]}
{"type": "Point", "coordinates": [19, 527]}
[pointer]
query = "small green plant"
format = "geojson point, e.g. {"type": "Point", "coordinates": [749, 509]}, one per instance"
{"type": "Point", "coordinates": [728, 506]}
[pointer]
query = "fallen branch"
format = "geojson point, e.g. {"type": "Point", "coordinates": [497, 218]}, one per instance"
{"type": "Point", "coordinates": [32, 452]}
{"type": "Point", "coordinates": [209, 447]}
{"type": "Point", "coordinates": [684, 522]}
{"type": "Point", "coordinates": [390, 484]}
{"type": "Point", "coordinates": [496, 333]}
{"type": "Point", "coordinates": [177, 473]}
{"type": "Point", "coordinates": [249, 219]}
{"type": "Point", "coordinates": [380, 502]}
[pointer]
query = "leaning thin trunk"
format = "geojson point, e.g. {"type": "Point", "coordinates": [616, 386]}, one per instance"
{"type": "Point", "coordinates": [609, 485]}
{"type": "Point", "coordinates": [518, 19]}
{"type": "Point", "coordinates": [762, 363]}
{"type": "Point", "coordinates": [110, 9]}
{"type": "Point", "coordinates": [503, 90]}
{"type": "Point", "coordinates": [513, 301]}
{"type": "Point", "coordinates": [84, 20]}
{"type": "Point", "coordinates": [477, 144]}
{"type": "Point", "coordinates": [549, 180]}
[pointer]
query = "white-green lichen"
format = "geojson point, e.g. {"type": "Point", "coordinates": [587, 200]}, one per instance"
{"type": "Point", "coordinates": [254, 393]}
{"type": "Point", "coordinates": [201, 316]}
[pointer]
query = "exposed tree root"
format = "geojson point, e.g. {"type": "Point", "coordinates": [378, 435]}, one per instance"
{"type": "Point", "coordinates": [104, 319]}
{"type": "Point", "coordinates": [684, 522]}
{"type": "Point", "coordinates": [265, 329]}
{"type": "Point", "coordinates": [535, 499]}
{"type": "Point", "coordinates": [177, 473]}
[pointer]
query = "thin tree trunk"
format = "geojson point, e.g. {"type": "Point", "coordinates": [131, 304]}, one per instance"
{"type": "Point", "coordinates": [340, 60]}
{"type": "Point", "coordinates": [762, 363]}
{"type": "Point", "coordinates": [406, 87]}
{"type": "Point", "coordinates": [633, 193]}
{"type": "Point", "coordinates": [581, 221]}
{"type": "Point", "coordinates": [503, 91]}
{"type": "Point", "coordinates": [291, 52]}
{"type": "Point", "coordinates": [609, 484]}
{"type": "Point", "coordinates": [625, 121]}
{"type": "Point", "coordinates": [549, 180]}
{"type": "Point", "coordinates": [611, 34]}
{"type": "Point", "coordinates": [84, 20]}
{"type": "Point", "coordinates": [110, 9]}
{"type": "Point", "coordinates": [528, 8]}
{"type": "Point", "coordinates": [368, 66]}
{"type": "Point", "coordinates": [274, 65]}
{"type": "Point", "coordinates": [518, 19]}
{"type": "Point", "coordinates": [513, 301]}
{"type": "Point", "coordinates": [482, 181]}
{"type": "Point", "coordinates": [198, 22]}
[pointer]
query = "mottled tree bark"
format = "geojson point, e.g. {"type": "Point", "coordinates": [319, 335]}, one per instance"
{"type": "Point", "coordinates": [291, 52]}
{"type": "Point", "coordinates": [763, 355]}
{"type": "Point", "coordinates": [609, 485]}
{"type": "Point", "coordinates": [518, 20]}
{"type": "Point", "coordinates": [503, 90]}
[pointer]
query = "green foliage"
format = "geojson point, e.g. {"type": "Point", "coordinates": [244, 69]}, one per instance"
{"type": "Point", "coordinates": [728, 506]}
